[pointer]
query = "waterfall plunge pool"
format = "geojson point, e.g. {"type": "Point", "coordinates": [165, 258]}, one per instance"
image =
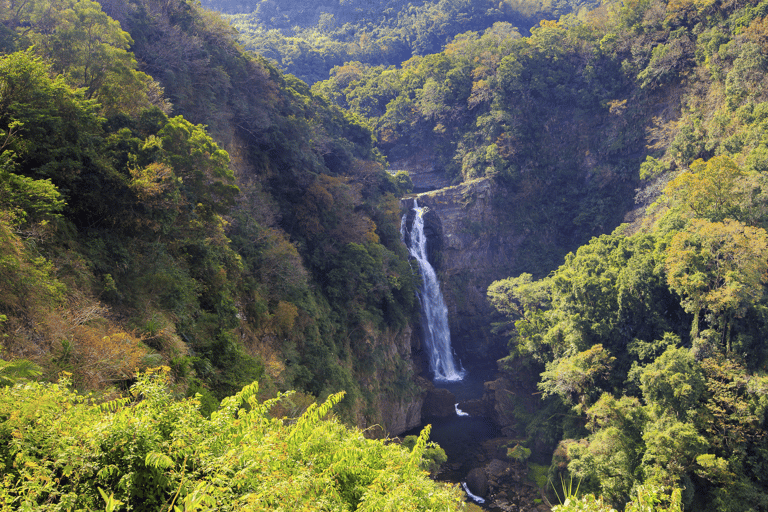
{"type": "Point", "coordinates": [462, 437]}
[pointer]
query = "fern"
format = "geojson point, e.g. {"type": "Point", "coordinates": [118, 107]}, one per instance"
{"type": "Point", "coordinates": [113, 405]}
{"type": "Point", "coordinates": [311, 417]}
{"type": "Point", "coordinates": [12, 372]}
{"type": "Point", "coordinates": [158, 460]}
{"type": "Point", "coordinates": [421, 445]}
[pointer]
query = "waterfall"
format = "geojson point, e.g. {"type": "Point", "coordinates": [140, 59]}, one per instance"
{"type": "Point", "coordinates": [437, 336]}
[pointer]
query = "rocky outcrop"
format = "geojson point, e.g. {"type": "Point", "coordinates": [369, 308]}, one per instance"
{"type": "Point", "coordinates": [400, 416]}
{"type": "Point", "coordinates": [477, 481]}
{"type": "Point", "coordinates": [422, 170]}
{"type": "Point", "coordinates": [502, 400]}
{"type": "Point", "coordinates": [470, 246]}
{"type": "Point", "coordinates": [397, 412]}
{"type": "Point", "coordinates": [504, 484]}
{"type": "Point", "coordinates": [510, 490]}
{"type": "Point", "coordinates": [439, 403]}
{"type": "Point", "coordinates": [477, 408]}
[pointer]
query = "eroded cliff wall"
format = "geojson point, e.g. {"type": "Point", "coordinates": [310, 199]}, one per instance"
{"type": "Point", "coordinates": [470, 246]}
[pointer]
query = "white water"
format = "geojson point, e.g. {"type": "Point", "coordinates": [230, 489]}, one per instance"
{"type": "Point", "coordinates": [476, 499]}
{"type": "Point", "coordinates": [437, 336]}
{"type": "Point", "coordinates": [459, 412]}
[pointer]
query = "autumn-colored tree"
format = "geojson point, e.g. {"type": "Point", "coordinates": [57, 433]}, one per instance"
{"type": "Point", "coordinates": [708, 190]}
{"type": "Point", "coordinates": [719, 268]}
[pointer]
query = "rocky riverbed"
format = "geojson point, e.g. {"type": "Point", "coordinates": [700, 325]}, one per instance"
{"type": "Point", "coordinates": [476, 434]}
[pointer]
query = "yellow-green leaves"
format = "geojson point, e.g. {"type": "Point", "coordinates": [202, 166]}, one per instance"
{"type": "Point", "coordinates": [59, 452]}
{"type": "Point", "coordinates": [575, 377]}
{"type": "Point", "coordinates": [719, 267]}
{"type": "Point", "coordinates": [709, 189]}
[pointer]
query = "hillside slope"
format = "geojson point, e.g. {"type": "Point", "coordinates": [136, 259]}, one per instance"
{"type": "Point", "coordinates": [308, 41]}
{"type": "Point", "coordinates": [192, 205]}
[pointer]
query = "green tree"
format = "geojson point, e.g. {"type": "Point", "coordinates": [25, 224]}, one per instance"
{"type": "Point", "coordinates": [674, 383]}
{"type": "Point", "coordinates": [206, 177]}
{"type": "Point", "coordinates": [719, 268]}
{"type": "Point", "coordinates": [709, 190]}
{"type": "Point", "coordinates": [90, 49]}
{"type": "Point", "coordinates": [576, 378]}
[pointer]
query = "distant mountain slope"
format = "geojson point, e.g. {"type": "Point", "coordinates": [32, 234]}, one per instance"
{"type": "Point", "coordinates": [309, 40]}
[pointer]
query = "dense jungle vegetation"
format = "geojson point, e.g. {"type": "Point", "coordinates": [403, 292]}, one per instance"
{"type": "Point", "coordinates": [650, 341]}
{"type": "Point", "coordinates": [168, 200]}
{"type": "Point", "coordinates": [151, 451]}
{"type": "Point", "coordinates": [131, 238]}
{"type": "Point", "coordinates": [308, 40]}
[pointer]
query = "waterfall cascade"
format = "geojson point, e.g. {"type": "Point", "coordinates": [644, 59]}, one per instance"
{"type": "Point", "coordinates": [437, 336]}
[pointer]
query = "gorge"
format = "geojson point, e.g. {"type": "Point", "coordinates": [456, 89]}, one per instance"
{"type": "Point", "coordinates": [470, 413]}
{"type": "Point", "coordinates": [209, 255]}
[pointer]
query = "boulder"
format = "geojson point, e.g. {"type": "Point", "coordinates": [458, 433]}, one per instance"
{"type": "Point", "coordinates": [496, 471]}
{"type": "Point", "coordinates": [477, 482]}
{"type": "Point", "coordinates": [439, 403]}
{"type": "Point", "coordinates": [498, 393]}
{"type": "Point", "coordinates": [476, 407]}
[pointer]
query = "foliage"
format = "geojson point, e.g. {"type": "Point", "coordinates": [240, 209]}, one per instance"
{"type": "Point", "coordinates": [384, 32]}
{"type": "Point", "coordinates": [649, 426]}
{"type": "Point", "coordinates": [519, 453]}
{"type": "Point", "coordinates": [251, 234]}
{"type": "Point", "coordinates": [13, 372]}
{"type": "Point", "coordinates": [718, 267]}
{"type": "Point", "coordinates": [61, 450]}
{"type": "Point", "coordinates": [647, 499]}
{"type": "Point", "coordinates": [433, 457]}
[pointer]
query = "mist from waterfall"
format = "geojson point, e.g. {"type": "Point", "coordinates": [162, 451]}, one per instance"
{"type": "Point", "coordinates": [437, 336]}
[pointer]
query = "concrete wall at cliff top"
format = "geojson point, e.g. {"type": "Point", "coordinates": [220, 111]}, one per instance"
{"type": "Point", "coordinates": [470, 247]}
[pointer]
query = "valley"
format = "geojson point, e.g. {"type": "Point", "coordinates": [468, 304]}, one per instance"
{"type": "Point", "coordinates": [247, 257]}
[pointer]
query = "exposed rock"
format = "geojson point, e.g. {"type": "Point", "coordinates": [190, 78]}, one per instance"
{"type": "Point", "coordinates": [400, 416]}
{"type": "Point", "coordinates": [395, 414]}
{"type": "Point", "coordinates": [496, 470]}
{"type": "Point", "coordinates": [498, 393]}
{"type": "Point", "coordinates": [477, 481]}
{"type": "Point", "coordinates": [439, 403]}
{"type": "Point", "coordinates": [421, 168]}
{"type": "Point", "coordinates": [470, 251]}
{"type": "Point", "coordinates": [477, 407]}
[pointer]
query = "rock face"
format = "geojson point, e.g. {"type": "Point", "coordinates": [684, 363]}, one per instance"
{"type": "Point", "coordinates": [477, 407]}
{"type": "Point", "coordinates": [439, 403]}
{"type": "Point", "coordinates": [396, 412]}
{"type": "Point", "coordinates": [477, 481]}
{"type": "Point", "coordinates": [469, 250]}
{"type": "Point", "coordinates": [400, 415]}
{"type": "Point", "coordinates": [421, 168]}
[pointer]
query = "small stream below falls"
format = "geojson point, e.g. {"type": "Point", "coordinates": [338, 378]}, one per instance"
{"type": "Point", "coordinates": [462, 437]}
{"type": "Point", "coordinates": [476, 444]}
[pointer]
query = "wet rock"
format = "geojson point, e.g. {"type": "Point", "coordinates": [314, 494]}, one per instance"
{"type": "Point", "coordinates": [477, 407]}
{"type": "Point", "coordinates": [439, 403]}
{"type": "Point", "coordinates": [477, 481]}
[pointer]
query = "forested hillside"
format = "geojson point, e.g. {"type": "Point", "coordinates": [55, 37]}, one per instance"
{"type": "Point", "coordinates": [650, 341]}
{"type": "Point", "coordinates": [556, 119]}
{"type": "Point", "coordinates": [308, 40]}
{"type": "Point", "coordinates": [169, 200]}
{"type": "Point", "coordinates": [131, 238]}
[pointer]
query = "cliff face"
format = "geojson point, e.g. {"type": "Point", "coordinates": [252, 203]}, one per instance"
{"type": "Point", "coordinates": [469, 249]}
{"type": "Point", "coordinates": [401, 391]}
